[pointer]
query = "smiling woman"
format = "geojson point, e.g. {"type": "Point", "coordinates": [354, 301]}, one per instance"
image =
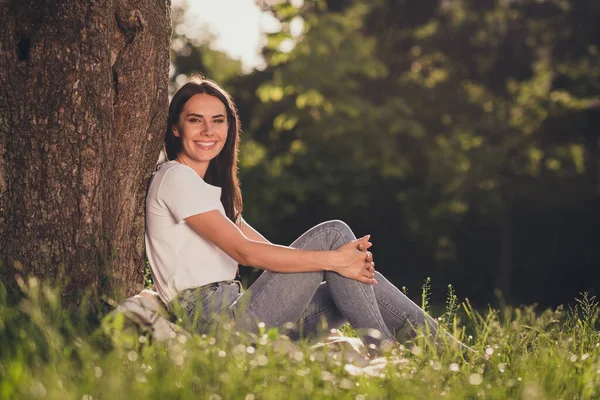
{"type": "Point", "coordinates": [203, 125]}
{"type": "Point", "coordinates": [202, 135]}
{"type": "Point", "coordinates": [195, 238]}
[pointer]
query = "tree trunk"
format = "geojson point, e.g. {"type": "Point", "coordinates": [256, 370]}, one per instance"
{"type": "Point", "coordinates": [83, 105]}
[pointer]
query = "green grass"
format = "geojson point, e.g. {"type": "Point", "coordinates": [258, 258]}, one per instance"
{"type": "Point", "coordinates": [50, 351]}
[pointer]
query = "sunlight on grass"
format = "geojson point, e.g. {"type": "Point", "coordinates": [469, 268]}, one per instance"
{"type": "Point", "coordinates": [51, 352]}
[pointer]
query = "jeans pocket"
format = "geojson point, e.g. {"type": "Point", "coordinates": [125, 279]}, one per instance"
{"type": "Point", "coordinates": [191, 307]}
{"type": "Point", "coordinates": [210, 303]}
{"type": "Point", "coordinates": [205, 306]}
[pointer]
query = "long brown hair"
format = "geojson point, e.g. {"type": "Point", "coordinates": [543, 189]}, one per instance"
{"type": "Point", "coordinates": [223, 169]}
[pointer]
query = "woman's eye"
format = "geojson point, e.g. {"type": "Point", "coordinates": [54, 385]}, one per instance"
{"type": "Point", "coordinates": [219, 121]}
{"type": "Point", "coordinates": [194, 120]}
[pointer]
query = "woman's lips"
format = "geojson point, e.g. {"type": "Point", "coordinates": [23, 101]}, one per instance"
{"type": "Point", "coordinates": [205, 145]}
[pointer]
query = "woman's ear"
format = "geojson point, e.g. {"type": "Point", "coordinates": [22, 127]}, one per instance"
{"type": "Point", "coordinates": [175, 131]}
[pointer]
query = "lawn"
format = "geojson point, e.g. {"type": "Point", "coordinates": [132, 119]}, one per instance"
{"type": "Point", "coordinates": [51, 351]}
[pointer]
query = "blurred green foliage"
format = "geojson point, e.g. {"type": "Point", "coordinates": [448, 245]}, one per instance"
{"type": "Point", "coordinates": [461, 133]}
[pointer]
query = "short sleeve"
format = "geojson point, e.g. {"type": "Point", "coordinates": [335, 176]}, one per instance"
{"type": "Point", "coordinates": [185, 194]}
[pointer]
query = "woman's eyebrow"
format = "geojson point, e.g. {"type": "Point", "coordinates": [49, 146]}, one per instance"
{"type": "Point", "coordinates": [202, 116]}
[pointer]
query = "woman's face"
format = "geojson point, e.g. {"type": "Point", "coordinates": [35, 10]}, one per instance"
{"type": "Point", "coordinates": [202, 127]}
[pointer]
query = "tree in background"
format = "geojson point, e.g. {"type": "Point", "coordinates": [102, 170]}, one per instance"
{"type": "Point", "coordinates": [192, 52]}
{"type": "Point", "coordinates": [462, 134]}
{"type": "Point", "coordinates": [82, 115]}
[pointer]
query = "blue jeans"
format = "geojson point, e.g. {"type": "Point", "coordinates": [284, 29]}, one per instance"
{"type": "Point", "coordinates": [308, 304]}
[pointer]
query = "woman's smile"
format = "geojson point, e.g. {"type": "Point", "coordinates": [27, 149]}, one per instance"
{"type": "Point", "coordinates": [203, 128]}
{"type": "Point", "coordinates": [206, 145]}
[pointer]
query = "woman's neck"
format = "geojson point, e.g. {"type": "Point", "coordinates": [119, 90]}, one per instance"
{"type": "Point", "coordinates": [200, 168]}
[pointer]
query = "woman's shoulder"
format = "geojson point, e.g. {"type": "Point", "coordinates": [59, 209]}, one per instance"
{"type": "Point", "coordinates": [171, 166]}
{"type": "Point", "coordinates": [173, 170]}
{"type": "Point", "coordinates": [173, 173]}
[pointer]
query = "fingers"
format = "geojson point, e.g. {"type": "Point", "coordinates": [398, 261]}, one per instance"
{"type": "Point", "coordinates": [369, 270]}
{"type": "Point", "coordinates": [362, 242]}
{"type": "Point", "coordinates": [364, 279]}
{"type": "Point", "coordinates": [365, 274]}
{"type": "Point", "coordinates": [370, 264]}
{"type": "Point", "coordinates": [362, 239]}
{"type": "Point", "coordinates": [371, 267]}
{"type": "Point", "coordinates": [363, 246]}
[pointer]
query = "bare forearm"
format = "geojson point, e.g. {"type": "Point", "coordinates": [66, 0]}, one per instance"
{"type": "Point", "coordinates": [277, 258]}
{"type": "Point", "coordinates": [254, 250]}
{"type": "Point", "coordinates": [283, 259]}
{"type": "Point", "coordinates": [252, 233]}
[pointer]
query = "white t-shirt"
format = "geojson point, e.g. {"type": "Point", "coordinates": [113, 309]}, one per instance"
{"type": "Point", "coordinates": [179, 257]}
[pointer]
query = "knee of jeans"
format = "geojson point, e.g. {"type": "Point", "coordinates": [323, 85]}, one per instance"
{"type": "Point", "coordinates": [344, 228]}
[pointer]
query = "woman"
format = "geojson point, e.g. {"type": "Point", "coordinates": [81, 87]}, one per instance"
{"type": "Point", "coordinates": [196, 237]}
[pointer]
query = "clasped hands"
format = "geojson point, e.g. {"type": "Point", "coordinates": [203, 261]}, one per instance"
{"type": "Point", "coordinates": [357, 262]}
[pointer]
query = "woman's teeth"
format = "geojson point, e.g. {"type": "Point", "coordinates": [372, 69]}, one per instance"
{"type": "Point", "coordinates": [205, 145]}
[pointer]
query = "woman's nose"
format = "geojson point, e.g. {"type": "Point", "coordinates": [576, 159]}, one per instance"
{"type": "Point", "coordinates": [208, 128]}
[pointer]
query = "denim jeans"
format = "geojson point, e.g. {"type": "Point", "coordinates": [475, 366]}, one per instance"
{"type": "Point", "coordinates": [308, 304]}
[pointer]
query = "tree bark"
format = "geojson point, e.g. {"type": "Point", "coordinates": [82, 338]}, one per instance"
{"type": "Point", "coordinates": [83, 105]}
